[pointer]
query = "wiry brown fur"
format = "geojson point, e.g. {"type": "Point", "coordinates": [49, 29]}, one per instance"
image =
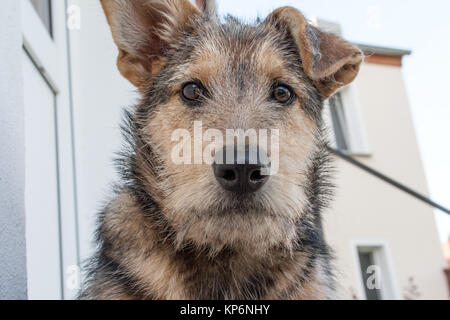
{"type": "Point", "coordinates": [171, 232]}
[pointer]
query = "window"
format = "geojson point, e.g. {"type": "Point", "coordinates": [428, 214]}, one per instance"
{"type": "Point", "coordinates": [375, 272]}
{"type": "Point", "coordinates": [344, 119]}
{"type": "Point", "coordinates": [368, 268]}
{"type": "Point", "coordinates": [339, 122]}
{"type": "Point", "coordinates": [44, 11]}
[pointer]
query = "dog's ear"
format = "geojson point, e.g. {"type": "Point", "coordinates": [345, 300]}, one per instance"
{"type": "Point", "coordinates": [208, 7]}
{"type": "Point", "coordinates": [327, 59]}
{"type": "Point", "coordinates": [143, 30]}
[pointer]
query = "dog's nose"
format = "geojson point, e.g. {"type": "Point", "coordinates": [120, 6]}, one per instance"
{"type": "Point", "coordinates": [242, 173]}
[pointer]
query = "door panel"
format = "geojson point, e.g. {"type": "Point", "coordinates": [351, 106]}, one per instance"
{"type": "Point", "coordinates": [41, 187]}
{"type": "Point", "coordinates": [52, 224]}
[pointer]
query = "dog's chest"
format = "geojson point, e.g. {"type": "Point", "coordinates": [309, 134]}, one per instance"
{"type": "Point", "coordinates": [229, 278]}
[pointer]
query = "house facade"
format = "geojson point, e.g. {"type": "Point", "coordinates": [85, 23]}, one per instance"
{"type": "Point", "coordinates": [371, 222]}
{"type": "Point", "coordinates": [61, 100]}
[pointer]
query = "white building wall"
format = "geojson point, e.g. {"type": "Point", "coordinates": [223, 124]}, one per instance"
{"type": "Point", "coordinates": [13, 280]}
{"type": "Point", "coordinates": [99, 95]}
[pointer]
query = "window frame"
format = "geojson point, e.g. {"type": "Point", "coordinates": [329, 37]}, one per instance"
{"type": "Point", "coordinates": [356, 137]}
{"type": "Point", "coordinates": [49, 14]}
{"type": "Point", "coordinates": [383, 258]}
{"type": "Point", "coordinates": [339, 123]}
{"type": "Point", "coordinates": [39, 44]}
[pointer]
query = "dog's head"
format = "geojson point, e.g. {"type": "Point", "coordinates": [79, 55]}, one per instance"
{"type": "Point", "coordinates": [200, 79]}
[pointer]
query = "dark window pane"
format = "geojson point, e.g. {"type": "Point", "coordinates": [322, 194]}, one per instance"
{"type": "Point", "coordinates": [366, 260]}
{"type": "Point", "coordinates": [339, 122]}
{"type": "Point", "coordinates": [44, 10]}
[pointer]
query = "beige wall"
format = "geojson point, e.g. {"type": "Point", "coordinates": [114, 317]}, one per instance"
{"type": "Point", "coordinates": [367, 209]}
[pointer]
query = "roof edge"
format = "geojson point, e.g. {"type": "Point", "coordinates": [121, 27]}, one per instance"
{"type": "Point", "coordinates": [393, 52]}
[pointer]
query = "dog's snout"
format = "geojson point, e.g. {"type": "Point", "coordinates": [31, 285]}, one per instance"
{"type": "Point", "coordinates": [241, 173]}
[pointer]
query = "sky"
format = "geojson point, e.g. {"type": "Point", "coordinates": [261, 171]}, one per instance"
{"type": "Point", "coordinates": [417, 25]}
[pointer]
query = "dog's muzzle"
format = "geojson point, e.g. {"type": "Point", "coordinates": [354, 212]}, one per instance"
{"type": "Point", "coordinates": [241, 171]}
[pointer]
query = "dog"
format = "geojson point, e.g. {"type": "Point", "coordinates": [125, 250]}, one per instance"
{"type": "Point", "coordinates": [220, 231]}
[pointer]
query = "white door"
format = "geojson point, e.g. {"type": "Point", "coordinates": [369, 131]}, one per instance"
{"type": "Point", "coordinates": [41, 187]}
{"type": "Point", "coordinates": [50, 199]}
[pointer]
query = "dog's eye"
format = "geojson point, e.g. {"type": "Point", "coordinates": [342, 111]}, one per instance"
{"type": "Point", "coordinates": [283, 94]}
{"type": "Point", "coordinates": [191, 92]}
